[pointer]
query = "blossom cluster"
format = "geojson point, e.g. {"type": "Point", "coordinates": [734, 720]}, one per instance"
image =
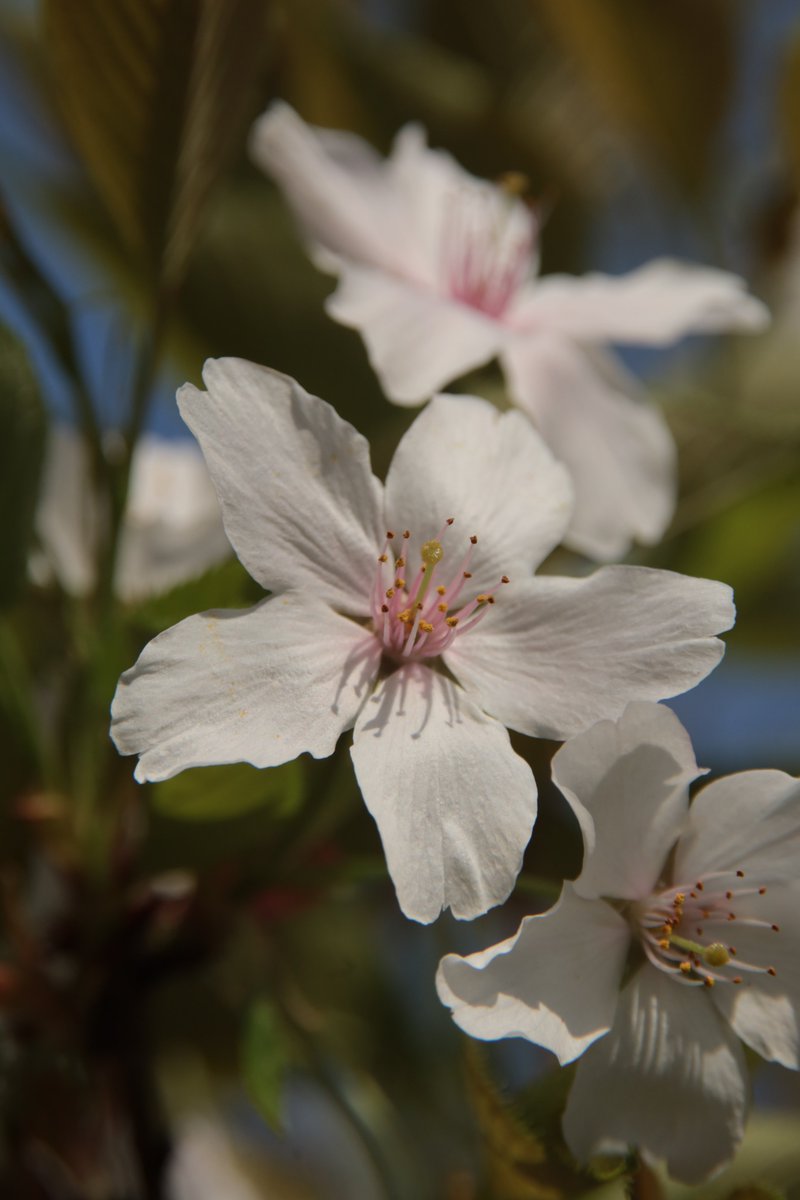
{"type": "Point", "coordinates": [409, 612]}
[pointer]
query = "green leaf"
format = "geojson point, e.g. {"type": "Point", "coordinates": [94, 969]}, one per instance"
{"type": "Point", "coordinates": [156, 94]}
{"type": "Point", "coordinates": [265, 1059]}
{"type": "Point", "coordinates": [222, 792]}
{"type": "Point", "coordinates": [225, 586]}
{"type": "Point", "coordinates": [21, 451]}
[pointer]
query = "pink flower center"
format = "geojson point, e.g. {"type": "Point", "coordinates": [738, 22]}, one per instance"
{"type": "Point", "coordinates": [418, 614]}
{"type": "Point", "coordinates": [487, 246]}
{"type": "Point", "coordinates": [687, 930]}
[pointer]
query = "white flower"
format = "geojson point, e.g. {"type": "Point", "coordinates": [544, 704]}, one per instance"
{"type": "Point", "coordinates": [397, 634]}
{"type": "Point", "coordinates": [172, 530]}
{"type": "Point", "coordinates": [438, 272]}
{"type": "Point", "coordinates": [680, 936]}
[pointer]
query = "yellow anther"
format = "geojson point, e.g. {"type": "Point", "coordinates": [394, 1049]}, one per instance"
{"type": "Point", "coordinates": [679, 899]}
{"type": "Point", "coordinates": [405, 616]}
{"type": "Point", "coordinates": [432, 553]}
{"type": "Point", "coordinates": [685, 967]}
{"type": "Point", "coordinates": [664, 943]}
{"type": "Point", "coordinates": [451, 621]}
{"type": "Point", "coordinates": [399, 582]}
{"type": "Point", "coordinates": [389, 593]}
{"type": "Point", "coordinates": [401, 562]}
{"type": "Point", "coordinates": [482, 599]}
{"type": "Point", "coordinates": [441, 590]}
{"type": "Point", "coordinates": [441, 608]}
{"type": "Point", "coordinates": [383, 558]}
{"type": "Point", "coordinates": [426, 627]}
{"type": "Point", "coordinates": [514, 183]}
{"type": "Point", "coordinates": [708, 981]}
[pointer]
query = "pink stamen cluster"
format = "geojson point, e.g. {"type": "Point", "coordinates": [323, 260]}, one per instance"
{"type": "Point", "coordinates": [416, 619]}
{"type": "Point", "coordinates": [685, 930]}
{"type": "Point", "coordinates": [486, 256]}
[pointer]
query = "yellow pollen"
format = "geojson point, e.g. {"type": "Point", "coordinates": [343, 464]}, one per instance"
{"type": "Point", "coordinates": [432, 553]}
{"type": "Point", "coordinates": [383, 557]}
{"type": "Point", "coordinates": [426, 627]}
{"type": "Point", "coordinates": [708, 981]}
{"type": "Point", "coordinates": [405, 616]}
{"type": "Point", "coordinates": [399, 583]}
{"type": "Point", "coordinates": [664, 943]}
{"type": "Point", "coordinates": [401, 562]}
{"type": "Point", "coordinates": [451, 621]}
{"type": "Point", "coordinates": [441, 608]}
{"type": "Point", "coordinates": [389, 593]}
{"type": "Point", "coordinates": [679, 900]}
{"type": "Point", "coordinates": [686, 967]}
{"type": "Point", "coordinates": [440, 591]}
{"type": "Point", "coordinates": [482, 599]}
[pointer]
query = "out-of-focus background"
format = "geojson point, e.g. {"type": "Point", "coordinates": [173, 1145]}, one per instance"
{"type": "Point", "coordinates": [206, 987]}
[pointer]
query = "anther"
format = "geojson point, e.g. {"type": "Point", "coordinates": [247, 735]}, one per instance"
{"type": "Point", "coordinates": [468, 574]}
{"type": "Point", "coordinates": [729, 895]}
{"type": "Point", "coordinates": [732, 950]}
{"type": "Point", "coordinates": [686, 967]}
{"type": "Point", "coordinates": [440, 591]}
{"type": "Point", "coordinates": [731, 916]}
{"type": "Point", "coordinates": [776, 928]}
{"type": "Point", "coordinates": [389, 534]}
{"type": "Point", "coordinates": [708, 981]}
{"type": "Point", "coordinates": [401, 562]}
{"type": "Point", "coordinates": [664, 944]}
{"type": "Point", "coordinates": [441, 608]}
{"type": "Point", "coordinates": [406, 534]}
{"type": "Point", "coordinates": [451, 621]}
{"type": "Point", "coordinates": [771, 971]}
{"type": "Point", "coordinates": [481, 599]}
{"type": "Point", "coordinates": [490, 599]}
{"type": "Point", "coordinates": [426, 627]}
{"type": "Point", "coordinates": [505, 579]}
{"type": "Point", "coordinates": [680, 898]}
{"type": "Point", "coordinates": [474, 539]}
{"type": "Point", "coordinates": [384, 608]}
{"type": "Point", "coordinates": [399, 583]}
{"type": "Point", "coordinates": [736, 979]}
{"type": "Point", "coordinates": [449, 520]}
{"type": "Point", "coordinates": [383, 558]}
{"type": "Point", "coordinates": [762, 891]}
{"type": "Point", "coordinates": [699, 885]}
{"type": "Point", "coordinates": [740, 874]}
{"type": "Point", "coordinates": [389, 593]}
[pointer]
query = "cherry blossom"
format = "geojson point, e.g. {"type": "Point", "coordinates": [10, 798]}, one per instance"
{"type": "Point", "coordinates": [171, 532]}
{"type": "Point", "coordinates": [679, 938]}
{"type": "Point", "coordinates": [408, 613]}
{"type": "Point", "coordinates": [438, 271]}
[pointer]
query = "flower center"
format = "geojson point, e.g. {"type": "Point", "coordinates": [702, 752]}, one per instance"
{"type": "Point", "coordinates": [415, 619]}
{"type": "Point", "coordinates": [686, 930]}
{"type": "Point", "coordinates": [487, 245]}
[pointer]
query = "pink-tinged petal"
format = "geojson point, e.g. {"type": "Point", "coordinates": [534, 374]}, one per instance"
{"type": "Point", "coordinates": [614, 442]}
{"type": "Point", "coordinates": [628, 783]}
{"type": "Point", "coordinates": [669, 1078]}
{"type": "Point", "coordinates": [258, 686]}
{"type": "Point", "coordinates": [747, 821]}
{"type": "Point", "coordinates": [653, 305]}
{"type": "Point", "coordinates": [417, 341]}
{"type": "Point", "coordinates": [555, 655]}
{"type": "Point", "coordinates": [337, 188]}
{"type": "Point", "coordinates": [453, 803]}
{"type": "Point", "coordinates": [556, 982]}
{"type": "Point", "coordinates": [764, 1009]}
{"type": "Point", "coordinates": [299, 500]}
{"type": "Point", "coordinates": [491, 471]}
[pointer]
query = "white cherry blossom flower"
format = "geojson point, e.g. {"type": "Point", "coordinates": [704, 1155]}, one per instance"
{"type": "Point", "coordinates": [680, 936]}
{"type": "Point", "coordinates": [171, 532]}
{"type": "Point", "coordinates": [438, 271]}
{"type": "Point", "coordinates": [384, 620]}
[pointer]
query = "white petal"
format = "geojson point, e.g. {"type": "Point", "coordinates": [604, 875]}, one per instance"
{"type": "Point", "coordinates": [628, 782]}
{"type": "Point", "coordinates": [491, 471]}
{"type": "Point", "coordinates": [653, 305]}
{"type": "Point", "coordinates": [299, 500]}
{"type": "Point", "coordinates": [764, 1010]}
{"type": "Point", "coordinates": [67, 515]}
{"type": "Point", "coordinates": [616, 445]}
{"type": "Point", "coordinates": [417, 341]}
{"type": "Point", "coordinates": [453, 803]}
{"type": "Point", "coordinates": [338, 190]}
{"type": "Point", "coordinates": [259, 686]}
{"type": "Point", "coordinates": [554, 655]}
{"type": "Point", "coordinates": [555, 982]}
{"type": "Point", "coordinates": [173, 526]}
{"type": "Point", "coordinates": [669, 1079]}
{"type": "Point", "coordinates": [750, 820]}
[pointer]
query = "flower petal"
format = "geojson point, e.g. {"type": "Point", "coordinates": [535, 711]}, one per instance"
{"type": "Point", "coordinates": [555, 982]}
{"type": "Point", "coordinates": [653, 305]}
{"type": "Point", "coordinates": [764, 1010]}
{"type": "Point", "coordinates": [750, 820]}
{"type": "Point", "coordinates": [299, 500]}
{"type": "Point", "coordinates": [491, 471]}
{"type": "Point", "coordinates": [669, 1078]}
{"type": "Point", "coordinates": [417, 341]}
{"type": "Point", "coordinates": [628, 783]}
{"type": "Point", "coordinates": [337, 189]}
{"type": "Point", "coordinates": [615, 444]}
{"type": "Point", "coordinates": [453, 803]}
{"type": "Point", "coordinates": [555, 655]}
{"type": "Point", "coordinates": [259, 686]}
